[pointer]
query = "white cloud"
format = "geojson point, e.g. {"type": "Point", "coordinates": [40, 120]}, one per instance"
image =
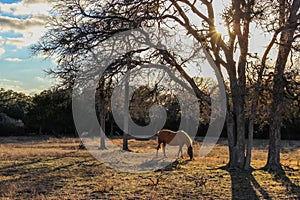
{"type": "Point", "coordinates": [29, 37]}
{"type": "Point", "coordinates": [19, 86]}
{"type": "Point", "coordinates": [11, 84]}
{"type": "Point", "coordinates": [26, 7]}
{"type": "Point", "coordinates": [20, 25]}
{"type": "Point", "coordinates": [13, 59]}
{"type": "Point", "coordinates": [1, 41]}
{"type": "Point", "coordinates": [4, 80]}
{"type": "Point", "coordinates": [2, 51]}
{"type": "Point", "coordinates": [41, 55]}
{"type": "Point", "coordinates": [31, 28]}
{"type": "Point", "coordinates": [15, 41]}
{"type": "Point", "coordinates": [40, 79]}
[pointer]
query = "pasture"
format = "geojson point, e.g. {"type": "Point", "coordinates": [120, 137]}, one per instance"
{"type": "Point", "coordinates": [49, 168]}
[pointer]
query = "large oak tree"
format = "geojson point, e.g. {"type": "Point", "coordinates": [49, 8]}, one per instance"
{"type": "Point", "coordinates": [78, 26]}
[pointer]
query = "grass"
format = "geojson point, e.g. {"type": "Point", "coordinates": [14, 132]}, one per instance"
{"type": "Point", "coordinates": [45, 168]}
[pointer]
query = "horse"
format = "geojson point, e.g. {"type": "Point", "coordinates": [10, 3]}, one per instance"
{"type": "Point", "coordinates": [179, 138]}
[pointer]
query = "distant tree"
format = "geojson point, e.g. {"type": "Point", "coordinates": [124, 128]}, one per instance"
{"type": "Point", "coordinates": [51, 113]}
{"type": "Point", "coordinates": [13, 103]}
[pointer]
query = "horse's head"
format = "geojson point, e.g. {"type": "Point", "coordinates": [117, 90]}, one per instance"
{"type": "Point", "coordinates": [190, 152]}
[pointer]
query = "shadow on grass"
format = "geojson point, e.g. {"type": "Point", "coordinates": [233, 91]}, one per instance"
{"type": "Point", "coordinates": [37, 160]}
{"type": "Point", "coordinates": [173, 165]}
{"type": "Point", "coordinates": [36, 177]}
{"type": "Point", "coordinates": [24, 139]}
{"type": "Point", "coordinates": [244, 186]}
{"type": "Point", "coordinates": [291, 188]}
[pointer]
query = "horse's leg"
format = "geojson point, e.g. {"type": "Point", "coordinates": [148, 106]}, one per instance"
{"type": "Point", "coordinates": [180, 151]}
{"type": "Point", "coordinates": [158, 147]}
{"type": "Point", "coordinates": [164, 149]}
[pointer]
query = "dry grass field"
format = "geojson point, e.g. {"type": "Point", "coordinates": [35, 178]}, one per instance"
{"type": "Point", "coordinates": [48, 168]}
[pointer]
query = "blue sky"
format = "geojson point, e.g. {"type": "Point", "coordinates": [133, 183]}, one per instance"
{"type": "Point", "coordinates": [21, 25]}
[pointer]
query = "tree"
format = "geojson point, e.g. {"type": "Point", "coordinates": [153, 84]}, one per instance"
{"type": "Point", "coordinates": [50, 112]}
{"type": "Point", "coordinates": [77, 28]}
{"type": "Point", "coordinates": [289, 31]}
{"type": "Point", "coordinates": [13, 103]}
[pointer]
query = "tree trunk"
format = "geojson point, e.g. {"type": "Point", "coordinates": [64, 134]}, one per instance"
{"type": "Point", "coordinates": [254, 104]}
{"type": "Point", "coordinates": [236, 119]}
{"type": "Point", "coordinates": [286, 40]}
{"type": "Point", "coordinates": [102, 131]}
{"type": "Point", "coordinates": [240, 144]}
{"type": "Point", "coordinates": [40, 130]}
{"type": "Point", "coordinates": [249, 145]}
{"type": "Point", "coordinates": [111, 122]}
{"type": "Point", "coordinates": [126, 115]}
{"type": "Point", "coordinates": [231, 138]}
{"type": "Point", "coordinates": [273, 163]}
{"type": "Point", "coordinates": [102, 112]}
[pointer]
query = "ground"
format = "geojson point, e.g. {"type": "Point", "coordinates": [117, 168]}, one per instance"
{"type": "Point", "coordinates": [47, 168]}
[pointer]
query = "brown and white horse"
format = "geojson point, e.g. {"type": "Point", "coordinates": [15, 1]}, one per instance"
{"type": "Point", "coordinates": [179, 138]}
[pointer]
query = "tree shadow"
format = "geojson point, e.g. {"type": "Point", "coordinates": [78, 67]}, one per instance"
{"type": "Point", "coordinates": [24, 139]}
{"type": "Point", "coordinates": [291, 188]}
{"type": "Point", "coordinates": [24, 180]}
{"type": "Point", "coordinates": [173, 165]}
{"type": "Point", "coordinates": [35, 161]}
{"type": "Point", "coordinates": [245, 186]}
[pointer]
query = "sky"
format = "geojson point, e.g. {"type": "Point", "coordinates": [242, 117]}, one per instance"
{"type": "Point", "coordinates": [22, 23]}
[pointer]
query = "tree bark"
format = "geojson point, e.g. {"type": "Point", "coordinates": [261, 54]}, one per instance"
{"type": "Point", "coordinates": [102, 112]}
{"type": "Point", "coordinates": [277, 107]}
{"type": "Point", "coordinates": [126, 114]}
{"type": "Point", "coordinates": [250, 131]}
{"type": "Point", "coordinates": [230, 124]}
{"type": "Point", "coordinates": [102, 131]}
{"type": "Point", "coordinates": [254, 105]}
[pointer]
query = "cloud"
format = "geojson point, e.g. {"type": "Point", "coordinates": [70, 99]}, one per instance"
{"type": "Point", "coordinates": [1, 41]}
{"type": "Point", "coordinates": [11, 84]}
{"type": "Point", "coordinates": [21, 42]}
{"type": "Point", "coordinates": [26, 7]}
{"type": "Point", "coordinates": [31, 27]}
{"type": "Point", "coordinates": [13, 59]}
{"type": "Point", "coordinates": [2, 51]}
{"type": "Point", "coordinates": [40, 79]}
{"type": "Point", "coordinates": [42, 55]}
{"type": "Point", "coordinates": [20, 86]}
{"type": "Point", "coordinates": [15, 41]}
{"type": "Point", "coordinates": [4, 80]}
{"type": "Point", "coordinates": [20, 25]}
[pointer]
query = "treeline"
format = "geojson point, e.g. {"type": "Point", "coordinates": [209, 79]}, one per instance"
{"type": "Point", "coordinates": [50, 112]}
